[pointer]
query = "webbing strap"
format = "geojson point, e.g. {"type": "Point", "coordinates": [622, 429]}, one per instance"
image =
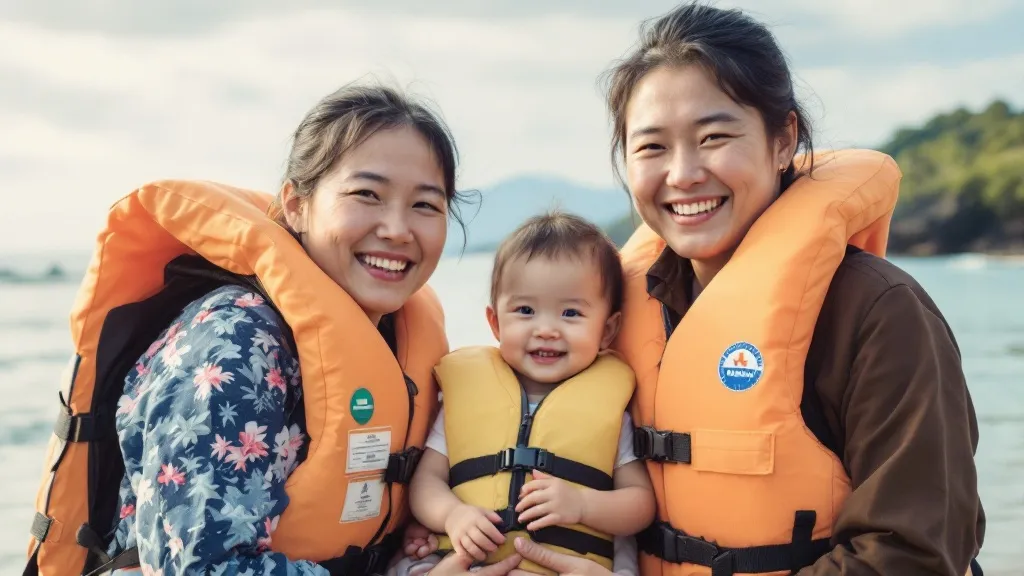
{"type": "Point", "coordinates": [671, 545]}
{"type": "Point", "coordinates": [32, 566]}
{"type": "Point", "coordinates": [564, 537]}
{"type": "Point", "coordinates": [364, 562]}
{"type": "Point", "coordinates": [40, 527]}
{"type": "Point", "coordinates": [84, 427]}
{"type": "Point", "coordinates": [401, 466]}
{"type": "Point", "coordinates": [580, 542]}
{"type": "Point", "coordinates": [524, 458]}
{"type": "Point", "coordinates": [661, 445]}
{"type": "Point", "coordinates": [88, 538]}
{"type": "Point", "coordinates": [78, 427]}
{"type": "Point", "coordinates": [570, 539]}
{"type": "Point", "coordinates": [127, 559]}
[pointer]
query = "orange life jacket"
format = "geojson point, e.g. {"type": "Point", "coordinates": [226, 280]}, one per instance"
{"type": "Point", "coordinates": [171, 242]}
{"type": "Point", "coordinates": [742, 485]}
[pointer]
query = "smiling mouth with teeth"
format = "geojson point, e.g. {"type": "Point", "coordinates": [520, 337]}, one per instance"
{"type": "Point", "coordinates": [697, 208]}
{"type": "Point", "coordinates": [547, 353]}
{"type": "Point", "coordinates": [386, 265]}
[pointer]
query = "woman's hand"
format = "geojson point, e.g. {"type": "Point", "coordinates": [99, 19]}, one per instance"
{"type": "Point", "coordinates": [563, 564]}
{"type": "Point", "coordinates": [419, 542]}
{"type": "Point", "coordinates": [457, 564]}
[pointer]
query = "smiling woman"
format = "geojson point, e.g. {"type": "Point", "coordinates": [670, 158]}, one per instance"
{"type": "Point", "coordinates": [800, 400]}
{"type": "Point", "coordinates": [252, 383]}
{"type": "Point", "coordinates": [376, 223]}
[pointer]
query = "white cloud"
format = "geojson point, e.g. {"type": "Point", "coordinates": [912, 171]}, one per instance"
{"type": "Point", "coordinates": [890, 18]}
{"type": "Point", "coordinates": [863, 106]}
{"type": "Point", "coordinates": [520, 96]}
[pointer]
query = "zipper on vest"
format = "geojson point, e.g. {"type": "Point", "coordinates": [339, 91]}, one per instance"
{"type": "Point", "coordinates": [522, 441]}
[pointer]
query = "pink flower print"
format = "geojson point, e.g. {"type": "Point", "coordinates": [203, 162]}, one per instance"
{"type": "Point", "coordinates": [235, 455]}
{"type": "Point", "coordinates": [175, 545]}
{"type": "Point", "coordinates": [154, 347]}
{"type": "Point", "coordinates": [127, 511]}
{"type": "Point", "coordinates": [148, 570]}
{"type": "Point", "coordinates": [220, 447]}
{"type": "Point", "coordinates": [209, 376]}
{"type": "Point", "coordinates": [269, 525]}
{"type": "Point", "coordinates": [248, 300]}
{"type": "Point", "coordinates": [168, 474]}
{"type": "Point", "coordinates": [276, 380]}
{"type": "Point", "coordinates": [171, 333]}
{"type": "Point", "coordinates": [126, 404]}
{"type": "Point", "coordinates": [252, 446]}
{"type": "Point", "coordinates": [141, 369]}
{"type": "Point", "coordinates": [201, 317]}
{"type": "Point", "coordinates": [288, 441]}
{"type": "Point", "coordinates": [171, 355]}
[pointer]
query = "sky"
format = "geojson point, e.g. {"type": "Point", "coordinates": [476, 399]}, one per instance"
{"type": "Point", "coordinates": [98, 97]}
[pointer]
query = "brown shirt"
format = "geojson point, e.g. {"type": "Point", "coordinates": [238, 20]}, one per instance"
{"type": "Point", "coordinates": [886, 385]}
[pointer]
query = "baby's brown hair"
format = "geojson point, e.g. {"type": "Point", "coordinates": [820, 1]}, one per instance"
{"type": "Point", "coordinates": [556, 235]}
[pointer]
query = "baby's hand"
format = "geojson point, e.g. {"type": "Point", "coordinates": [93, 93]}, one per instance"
{"type": "Point", "coordinates": [549, 501]}
{"type": "Point", "coordinates": [473, 532]}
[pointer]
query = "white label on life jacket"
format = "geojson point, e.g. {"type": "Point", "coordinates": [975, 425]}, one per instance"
{"type": "Point", "coordinates": [362, 499]}
{"type": "Point", "coordinates": [368, 450]}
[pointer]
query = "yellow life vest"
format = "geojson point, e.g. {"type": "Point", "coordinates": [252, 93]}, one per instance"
{"type": "Point", "coordinates": [493, 441]}
{"type": "Point", "coordinates": [743, 486]}
{"type": "Point", "coordinates": [168, 243]}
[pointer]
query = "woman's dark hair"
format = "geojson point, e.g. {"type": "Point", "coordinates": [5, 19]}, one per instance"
{"type": "Point", "coordinates": [739, 52]}
{"type": "Point", "coordinates": [345, 119]}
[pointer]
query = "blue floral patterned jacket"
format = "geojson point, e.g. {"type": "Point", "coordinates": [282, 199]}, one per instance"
{"type": "Point", "coordinates": [210, 426]}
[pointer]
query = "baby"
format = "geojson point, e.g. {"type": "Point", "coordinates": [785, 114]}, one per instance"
{"type": "Point", "coordinates": [534, 438]}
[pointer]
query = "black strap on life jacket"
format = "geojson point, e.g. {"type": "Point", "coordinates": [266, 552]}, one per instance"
{"type": "Point", "coordinates": [561, 536]}
{"type": "Point", "coordinates": [368, 561]}
{"type": "Point", "coordinates": [401, 465]}
{"type": "Point", "coordinates": [665, 542]}
{"type": "Point", "coordinates": [526, 458]}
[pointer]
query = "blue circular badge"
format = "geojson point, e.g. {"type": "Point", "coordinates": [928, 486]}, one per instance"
{"type": "Point", "coordinates": [741, 366]}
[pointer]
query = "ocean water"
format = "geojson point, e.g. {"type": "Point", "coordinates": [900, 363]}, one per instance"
{"type": "Point", "coordinates": [982, 298]}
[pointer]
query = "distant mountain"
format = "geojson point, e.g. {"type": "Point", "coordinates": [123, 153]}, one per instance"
{"type": "Point", "coordinates": [496, 211]}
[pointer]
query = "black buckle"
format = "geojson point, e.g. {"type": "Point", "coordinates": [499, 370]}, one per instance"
{"type": "Point", "coordinates": [722, 564]}
{"type": "Point", "coordinates": [402, 465]}
{"type": "Point", "coordinates": [524, 458]}
{"type": "Point", "coordinates": [677, 548]}
{"type": "Point", "coordinates": [509, 521]}
{"type": "Point", "coordinates": [651, 444]}
{"type": "Point", "coordinates": [370, 558]}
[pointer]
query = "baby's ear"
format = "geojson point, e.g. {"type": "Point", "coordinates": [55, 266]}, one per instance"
{"type": "Point", "coordinates": [492, 320]}
{"type": "Point", "coordinates": [611, 330]}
